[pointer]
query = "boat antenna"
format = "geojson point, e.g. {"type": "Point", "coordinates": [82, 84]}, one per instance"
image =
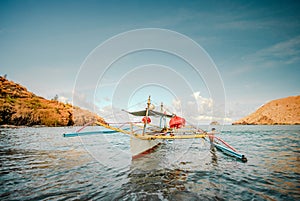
{"type": "Point", "coordinates": [147, 113]}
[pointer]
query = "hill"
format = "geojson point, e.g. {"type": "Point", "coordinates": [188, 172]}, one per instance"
{"type": "Point", "coordinates": [284, 111]}
{"type": "Point", "coordinates": [20, 107]}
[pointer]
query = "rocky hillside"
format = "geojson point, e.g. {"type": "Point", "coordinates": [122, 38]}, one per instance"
{"type": "Point", "coordinates": [281, 111]}
{"type": "Point", "coordinates": [20, 107]}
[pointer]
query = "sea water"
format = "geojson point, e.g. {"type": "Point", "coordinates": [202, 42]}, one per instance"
{"type": "Point", "coordinates": [40, 164]}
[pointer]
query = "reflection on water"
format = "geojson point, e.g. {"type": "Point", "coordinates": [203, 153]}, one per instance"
{"type": "Point", "coordinates": [39, 164]}
{"type": "Point", "coordinates": [151, 179]}
{"type": "Point", "coordinates": [214, 158]}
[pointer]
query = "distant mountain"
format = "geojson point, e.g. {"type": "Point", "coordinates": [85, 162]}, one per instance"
{"type": "Point", "coordinates": [284, 111]}
{"type": "Point", "coordinates": [20, 107]}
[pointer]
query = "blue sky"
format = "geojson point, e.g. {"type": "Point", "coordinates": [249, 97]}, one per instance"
{"type": "Point", "coordinates": [255, 45]}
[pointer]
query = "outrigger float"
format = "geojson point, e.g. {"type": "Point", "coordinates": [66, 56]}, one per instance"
{"type": "Point", "coordinates": [145, 137]}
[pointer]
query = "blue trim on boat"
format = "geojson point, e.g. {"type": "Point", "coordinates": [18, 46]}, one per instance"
{"type": "Point", "coordinates": [230, 152]}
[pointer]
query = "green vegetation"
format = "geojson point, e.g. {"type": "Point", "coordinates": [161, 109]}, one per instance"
{"type": "Point", "coordinates": [10, 99]}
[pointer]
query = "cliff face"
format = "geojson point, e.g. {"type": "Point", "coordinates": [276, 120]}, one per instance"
{"type": "Point", "coordinates": [285, 111]}
{"type": "Point", "coordinates": [22, 108]}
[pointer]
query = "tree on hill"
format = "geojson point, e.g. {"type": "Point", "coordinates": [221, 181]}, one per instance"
{"type": "Point", "coordinates": [55, 98]}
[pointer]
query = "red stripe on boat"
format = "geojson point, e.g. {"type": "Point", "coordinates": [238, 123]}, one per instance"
{"type": "Point", "coordinates": [148, 151]}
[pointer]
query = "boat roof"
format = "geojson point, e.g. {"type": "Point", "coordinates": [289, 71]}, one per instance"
{"type": "Point", "coordinates": [150, 113]}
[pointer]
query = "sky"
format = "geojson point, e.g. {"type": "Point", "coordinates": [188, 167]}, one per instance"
{"type": "Point", "coordinates": [248, 53]}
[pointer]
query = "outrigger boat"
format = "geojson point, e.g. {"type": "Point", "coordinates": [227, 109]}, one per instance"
{"type": "Point", "coordinates": [145, 137]}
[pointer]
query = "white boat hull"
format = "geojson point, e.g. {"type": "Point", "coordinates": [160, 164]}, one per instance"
{"type": "Point", "coordinates": [139, 147]}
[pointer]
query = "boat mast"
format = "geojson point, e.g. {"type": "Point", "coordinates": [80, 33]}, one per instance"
{"type": "Point", "coordinates": [147, 113]}
{"type": "Point", "coordinates": [162, 117]}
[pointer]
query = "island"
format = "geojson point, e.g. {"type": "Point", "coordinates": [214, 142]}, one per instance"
{"type": "Point", "coordinates": [284, 111]}
{"type": "Point", "coordinates": [19, 107]}
{"type": "Point", "coordinates": [214, 123]}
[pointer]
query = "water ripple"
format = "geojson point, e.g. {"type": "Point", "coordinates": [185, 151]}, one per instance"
{"type": "Point", "coordinates": [39, 164]}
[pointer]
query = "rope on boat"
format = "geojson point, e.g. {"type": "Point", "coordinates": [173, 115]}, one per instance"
{"type": "Point", "coordinates": [85, 125]}
{"type": "Point", "coordinates": [225, 143]}
{"type": "Point", "coordinates": [128, 122]}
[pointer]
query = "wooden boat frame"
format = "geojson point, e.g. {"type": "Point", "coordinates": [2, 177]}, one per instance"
{"type": "Point", "coordinates": [145, 137]}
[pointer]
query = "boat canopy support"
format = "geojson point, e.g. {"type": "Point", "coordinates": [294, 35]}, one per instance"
{"type": "Point", "coordinates": [150, 113]}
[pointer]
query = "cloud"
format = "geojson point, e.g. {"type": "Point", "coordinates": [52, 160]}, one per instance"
{"type": "Point", "coordinates": [107, 112]}
{"type": "Point", "coordinates": [285, 52]}
{"type": "Point", "coordinates": [198, 109]}
{"type": "Point", "coordinates": [237, 110]}
{"type": "Point", "coordinates": [113, 114]}
{"type": "Point", "coordinates": [245, 23]}
{"type": "Point", "coordinates": [279, 55]}
{"type": "Point", "coordinates": [209, 119]}
{"type": "Point", "coordinates": [63, 99]}
{"type": "Point", "coordinates": [176, 105]}
{"type": "Point", "coordinates": [204, 105]}
{"type": "Point", "coordinates": [81, 100]}
{"type": "Point", "coordinates": [108, 99]}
